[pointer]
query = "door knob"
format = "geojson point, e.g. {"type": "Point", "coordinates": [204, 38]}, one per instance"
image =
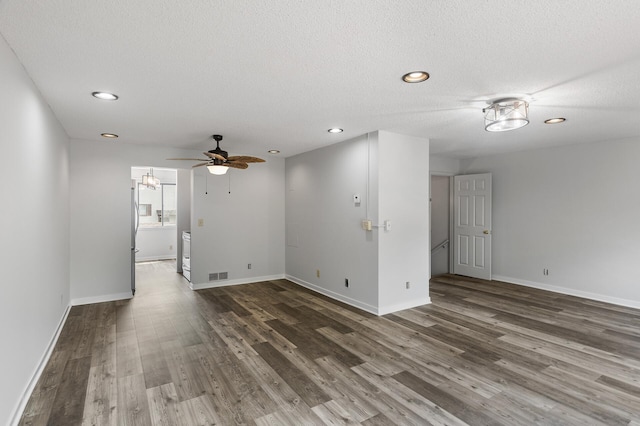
{"type": "Point", "coordinates": [486, 232]}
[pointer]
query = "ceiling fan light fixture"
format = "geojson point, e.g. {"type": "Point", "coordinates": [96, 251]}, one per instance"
{"type": "Point", "coordinates": [415, 77]}
{"type": "Point", "coordinates": [506, 114]}
{"type": "Point", "coordinates": [215, 169]}
{"type": "Point", "coordinates": [105, 96]}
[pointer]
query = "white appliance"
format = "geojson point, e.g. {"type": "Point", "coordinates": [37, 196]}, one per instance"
{"type": "Point", "coordinates": [186, 255]}
{"type": "Point", "coordinates": [135, 222]}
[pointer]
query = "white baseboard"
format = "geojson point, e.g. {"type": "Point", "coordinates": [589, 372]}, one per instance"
{"type": "Point", "coordinates": [155, 258]}
{"type": "Point", "coordinates": [353, 302]}
{"type": "Point", "coordinates": [100, 299]}
{"type": "Point", "coordinates": [22, 404]}
{"type": "Point", "coordinates": [225, 283]}
{"type": "Point", "coordinates": [570, 291]}
{"type": "Point", "coordinates": [384, 310]}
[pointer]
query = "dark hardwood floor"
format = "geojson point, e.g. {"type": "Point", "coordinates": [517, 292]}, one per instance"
{"type": "Point", "coordinates": [273, 353]}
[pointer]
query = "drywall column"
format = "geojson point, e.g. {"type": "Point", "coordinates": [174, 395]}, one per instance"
{"type": "Point", "coordinates": [403, 201]}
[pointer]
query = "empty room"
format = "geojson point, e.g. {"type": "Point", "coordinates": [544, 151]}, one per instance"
{"type": "Point", "coordinates": [301, 213]}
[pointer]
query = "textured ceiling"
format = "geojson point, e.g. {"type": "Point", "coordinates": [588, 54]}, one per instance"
{"type": "Point", "coordinates": [279, 73]}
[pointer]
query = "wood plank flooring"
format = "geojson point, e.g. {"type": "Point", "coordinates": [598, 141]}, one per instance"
{"type": "Point", "coordinates": [273, 353]}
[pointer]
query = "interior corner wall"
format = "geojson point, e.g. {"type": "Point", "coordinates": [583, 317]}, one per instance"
{"type": "Point", "coordinates": [35, 218]}
{"type": "Point", "coordinates": [571, 210]}
{"type": "Point", "coordinates": [324, 232]}
{"type": "Point", "coordinates": [403, 199]}
{"type": "Point", "coordinates": [242, 216]}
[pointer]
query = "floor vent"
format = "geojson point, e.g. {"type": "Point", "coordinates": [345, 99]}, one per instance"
{"type": "Point", "coordinates": [215, 276]}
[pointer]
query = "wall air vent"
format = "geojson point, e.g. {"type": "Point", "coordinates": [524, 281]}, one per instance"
{"type": "Point", "coordinates": [215, 276]}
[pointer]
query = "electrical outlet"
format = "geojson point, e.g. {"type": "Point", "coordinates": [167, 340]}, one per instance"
{"type": "Point", "coordinates": [346, 282]}
{"type": "Point", "coordinates": [318, 273]}
{"type": "Point", "coordinates": [200, 222]}
{"type": "Point", "coordinates": [408, 285]}
{"type": "Point", "coordinates": [545, 272]}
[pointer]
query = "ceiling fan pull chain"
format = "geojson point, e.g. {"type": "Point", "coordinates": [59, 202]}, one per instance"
{"type": "Point", "coordinates": [229, 183]}
{"type": "Point", "coordinates": [206, 183]}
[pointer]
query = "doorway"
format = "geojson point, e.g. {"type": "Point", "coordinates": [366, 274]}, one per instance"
{"type": "Point", "coordinates": [440, 224]}
{"type": "Point", "coordinates": [155, 216]}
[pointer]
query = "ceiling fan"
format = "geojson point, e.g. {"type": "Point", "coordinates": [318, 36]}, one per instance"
{"type": "Point", "coordinates": [218, 161]}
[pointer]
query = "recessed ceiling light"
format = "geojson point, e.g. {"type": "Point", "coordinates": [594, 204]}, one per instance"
{"type": "Point", "coordinates": [105, 96]}
{"type": "Point", "coordinates": [555, 120]}
{"type": "Point", "coordinates": [273, 151]}
{"type": "Point", "coordinates": [335, 130]}
{"type": "Point", "coordinates": [109, 135]}
{"type": "Point", "coordinates": [415, 77]}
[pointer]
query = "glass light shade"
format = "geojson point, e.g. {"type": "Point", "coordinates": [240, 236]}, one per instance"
{"type": "Point", "coordinates": [150, 181]}
{"type": "Point", "coordinates": [506, 114]}
{"type": "Point", "coordinates": [217, 170]}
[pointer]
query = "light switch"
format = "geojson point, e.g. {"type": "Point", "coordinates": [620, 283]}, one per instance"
{"type": "Point", "coordinates": [387, 225]}
{"type": "Point", "coordinates": [356, 199]}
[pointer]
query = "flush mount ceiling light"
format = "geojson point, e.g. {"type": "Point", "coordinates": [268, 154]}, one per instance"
{"type": "Point", "coordinates": [150, 181]}
{"type": "Point", "coordinates": [415, 77]}
{"type": "Point", "coordinates": [335, 130]}
{"type": "Point", "coordinates": [105, 96]}
{"type": "Point", "coordinates": [273, 151]}
{"type": "Point", "coordinates": [109, 135]}
{"type": "Point", "coordinates": [555, 120]}
{"type": "Point", "coordinates": [506, 114]}
{"type": "Point", "coordinates": [217, 169]}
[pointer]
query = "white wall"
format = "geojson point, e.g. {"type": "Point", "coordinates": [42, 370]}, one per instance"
{"type": "Point", "coordinates": [572, 210]}
{"type": "Point", "coordinates": [101, 219]}
{"type": "Point", "coordinates": [241, 227]}
{"type": "Point", "coordinates": [35, 235]}
{"type": "Point", "coordinates": [403, 198]}
{"type": "Point", "coordinates": [444, 165]}
{"type": "Point", "coordinates": [324, 225]}
{"type": "Point", "coordinates": [157, 243]}
{"type": "Point", "coordinates": [246, 226]}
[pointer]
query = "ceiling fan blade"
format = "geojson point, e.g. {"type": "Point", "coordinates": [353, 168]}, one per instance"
{"type": "Point", "coordinates": [236, 165]}
{"type": "Point", "coordinates": [201, 164]}
{"type": "Point", "coordinates": [214, 156]}
{"type": "Point", "coordinates": [194, 159]}
{"type": "Point", "coordinates": [245, 159]}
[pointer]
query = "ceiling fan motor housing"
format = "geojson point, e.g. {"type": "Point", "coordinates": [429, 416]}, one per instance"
{"type": "Point", "coordinates": [218, 151]}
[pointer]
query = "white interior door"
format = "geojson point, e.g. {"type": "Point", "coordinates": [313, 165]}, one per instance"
{"type": "Point", "coordinates": [472, 225]}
